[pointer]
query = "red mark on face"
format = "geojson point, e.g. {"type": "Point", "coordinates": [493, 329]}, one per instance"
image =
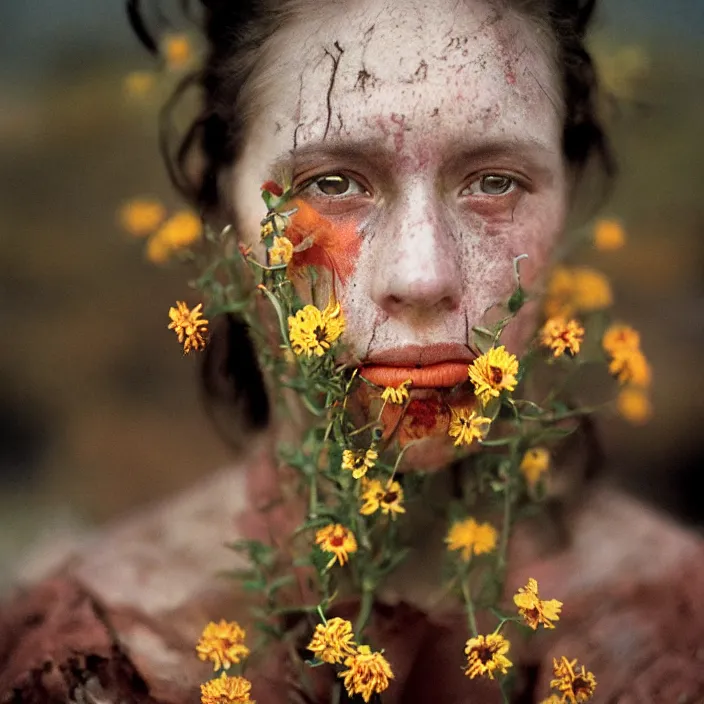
{"type": "Point", "coordinates": [319, 242]}
{"type": "Point", "coordinates": [423, 413]}
{"type": "Point", "coordinates": [273, 188]}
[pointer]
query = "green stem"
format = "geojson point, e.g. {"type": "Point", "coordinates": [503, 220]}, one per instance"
{"type": "Point", "coordinates": [505, 530]}
{"type": "Point", "coordinates": [365, 608]}
{"type": "Point", "coordinates": [471, 618]}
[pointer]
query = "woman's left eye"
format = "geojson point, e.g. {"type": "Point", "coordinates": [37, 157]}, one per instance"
{"type": "Point", "coordinates": [490, 185]}
{"type": "Point", "coordinates": [335, 185]}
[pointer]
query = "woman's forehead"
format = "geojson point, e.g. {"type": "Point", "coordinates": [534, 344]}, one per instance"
{"type": "Point", "coordinates": [410, 76]}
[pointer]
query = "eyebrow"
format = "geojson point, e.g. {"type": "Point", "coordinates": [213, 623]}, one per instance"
{"type": "Point", "coordinates": [376, 152]}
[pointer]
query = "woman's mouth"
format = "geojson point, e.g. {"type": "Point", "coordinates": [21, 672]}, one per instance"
{"type": "Point", "coordinates": [432, 366]}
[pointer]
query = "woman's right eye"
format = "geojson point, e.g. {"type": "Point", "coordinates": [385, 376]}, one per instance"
{"type": "Point", "coordinates": [335, 185]}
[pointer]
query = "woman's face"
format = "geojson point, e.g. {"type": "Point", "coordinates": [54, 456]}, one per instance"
{"type": "Point", "coordinates": [429, 134]}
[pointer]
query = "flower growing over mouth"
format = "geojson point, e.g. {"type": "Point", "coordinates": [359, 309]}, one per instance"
{"type": "Point", "coordinates": [359, 461]}
{"type": "Point", "coordinates": [368, 673]}
{"type": "Point", "coordinates": [338, 540]}
{"type": "Point", "coordinates": [562, 335]}
{"type": "Point", "coordinates": [467, 426]}
{"type": "Point", "coordinates": [313, 332]}
{"type": "Point", "coordinates": [398, 394]}
{"type": "Point", "coordinates": [376, 496]}
{"type": "Point", "coordinates": [534, 464]}
{"type": "Point", "coordinates": [575, 687]}
{"type": "Point", "coordinates": [223, 643]}
{"type": "Point", "coordinates": [333, 641]}
{"type": "Point", "coordinates": [471, 537]}
{"type": "Point", "coordinates": [493, 373]}
{"type": "Point", "coordinates": [226, 690]}
{"type": "Point", "coordinates": [487, 655]}
{"type": "Point", "coordinates": [188, 326]}
{"type": "Point", "coordinates": [535, 610]}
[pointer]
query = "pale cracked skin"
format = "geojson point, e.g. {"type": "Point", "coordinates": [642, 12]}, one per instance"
{"type": "Point", "coordinates": [427, 97]}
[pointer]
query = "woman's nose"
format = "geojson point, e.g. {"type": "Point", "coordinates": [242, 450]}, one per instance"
{"type": "Point", "coordinates": [418, 262]}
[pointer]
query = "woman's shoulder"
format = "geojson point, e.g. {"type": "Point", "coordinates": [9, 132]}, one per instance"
{"type": "Point", "coordinates": [125, 610]}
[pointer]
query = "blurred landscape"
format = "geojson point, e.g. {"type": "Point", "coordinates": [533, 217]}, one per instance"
{"type": "Point", "coordinates": [99, 411]}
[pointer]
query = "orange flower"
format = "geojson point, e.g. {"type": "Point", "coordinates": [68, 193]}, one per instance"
{"type": "Point", "coordinates": [338, 540]}
{"type": "Point", "coordinates": [536, 611]}
{"type": "Point", "coordinates": [634, 405]}
{"type": "Point", "coordinates": [609, 235]}
{"type": "Point", "coordinates": [562, 335]}
{"type": "Point", "coordinates": [223, 644]}
{"type": "Point", "coordinates": [141, 216]}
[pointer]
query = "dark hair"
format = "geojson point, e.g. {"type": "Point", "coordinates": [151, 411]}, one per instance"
{"type": "Point", "coordinates": [235, 31]}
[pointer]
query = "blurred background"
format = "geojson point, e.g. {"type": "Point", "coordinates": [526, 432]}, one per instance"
{"type": "Point", "coordinates": [100, 412]}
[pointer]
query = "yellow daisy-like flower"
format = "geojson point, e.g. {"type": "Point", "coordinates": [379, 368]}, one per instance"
{"type": "Point", "coordinates": [398, 394]}
{"type": "Point", "coordinates": [177, 51]}
{"type": "Point", "coordinates": [281, 251]}
{"type": "Point", "coordinates": [619, 337]}
{"type": "Point", "coordinates": [534, 464]}
{"type": "Point", "coordinates": [137, 84]}
{"type": "Point", "coordinates": [493, 373]}
{"type": "Point", "coordinates": [467, 426]}
{"type": "Point", "coordinates": [576, 289]}
{"type": "Point", "coordinates": [631, 367]}
{"type": "Point", "coordinates": [471, 537]}
{"type": "Point", "coordinates": [141, 216]}
{"type": "Point", "coordinates": [368, 673]}
{"type": "Point", "coordinates": [487, 655]}
{"type": "Point", "coordinates": [534, 609]}
{"type": "Point", "coordinates": [312, 331]}
{"type": "Point", "coordinates": [359, 461]}
{"type": "Point", "coordinates": [226, 690]}
{"type": "Point", "coordinates": [223, 643]}
{"type": "Point", "coordinates": [188, 326]}
{"type": "Point", "coordinates": [575, 687]}
{"type": "Point", "coordinates": [338, 540]}
{"type": "Point", "coordinates": [333, 641]}
{"type": "Point", "coordinates": [609, 235]}
{"type": "Point", "coordinates": [562, 335]}
{"type": "Point", "coordinates": [376, 496]}
{"type": "Point", "coordinates": [634, 405]}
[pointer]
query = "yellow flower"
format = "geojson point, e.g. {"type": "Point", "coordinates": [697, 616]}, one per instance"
{"type": "Point", "coordinates": [223, 643]}
{"type": "Point", "coordinates": [368, 673]}
{"type": "Point", "coordinates": [575, 687]}
{"type": "Point", "coordinates": [562, 335]}
{"type": "Point", "coordinates": [533, 609]}
{"type": "Point", "coordinates": [609, 235]}
{"type": "Point", "coordinates": [281, 251]}
{"type": "Point", "coordinates": [177, 51]}
{"type": "Point", "coordinates": [634, 405]}
{"type": "Point", "coordinates": [471, 537]}
{"type": "Point", "coordinates": [338, 540]}
{"type": "Point", "coordinates": [226, 690]}
{"type": "Point", "coordinates": [492, 373]}
{"type": "Point", "coordinates": [398, 394]}
{"type": "Point", "coordinates": [333, 641]}
{"type": "Point", "coordinates": [181, 229]}
{"type": "Point", "coordinates": [534, 464]}
{"type": "Point", "coordinates": [188, 326]}
{"type": "Point", "coordinates": [576, 289]}
{"type": "Point", "coordinates": [467, 426]}
{"type": "Point", "coordinates": [377, 496]}
{"type": "Point", "coordinates": [619, 337]}
{"type": "Point", "coordinates": [631, 367]}
{"type": "Point", "coordinates": [141, 216]}
{"type": "Point", "coordinates": [359, 461]}
{"type": "Point", "coordinates": [138, 83]}
{"type": "Point", "coordinates": [274, 224]}
{"type": "Point", "coordinates": [312, 331]}
{"type": "Point", "coordinates": [486, 655]}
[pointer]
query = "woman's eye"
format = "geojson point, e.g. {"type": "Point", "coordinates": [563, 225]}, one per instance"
{"type": "Point", "coordinates": [335, 185]}
{"type": "Point", "coordinates": [490, 185]}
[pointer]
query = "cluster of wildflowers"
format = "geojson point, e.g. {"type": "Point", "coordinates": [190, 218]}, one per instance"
{"type": "Point", "coordinates": [349, 539]}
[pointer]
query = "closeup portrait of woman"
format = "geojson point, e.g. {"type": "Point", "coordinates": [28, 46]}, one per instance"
{"type": "Point", "coordinates": [416, 499]}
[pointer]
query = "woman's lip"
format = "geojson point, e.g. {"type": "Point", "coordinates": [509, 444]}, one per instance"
{"type": "Point", "coordinates": [415, 356]}
{"type": "Point", "coordinates": [431, 376]}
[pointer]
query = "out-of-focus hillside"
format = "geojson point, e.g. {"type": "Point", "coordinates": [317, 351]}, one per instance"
{"type": "Point", "coordinates": [99, 411]}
